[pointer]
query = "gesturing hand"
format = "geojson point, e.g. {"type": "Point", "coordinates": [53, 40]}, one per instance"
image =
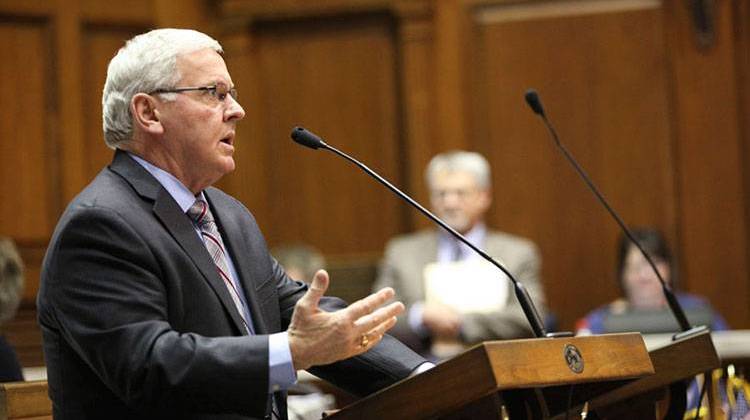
{"type": "Point", "coordinates": [442, 320]}
{"type": "Point", "coordinates": [317, 337]}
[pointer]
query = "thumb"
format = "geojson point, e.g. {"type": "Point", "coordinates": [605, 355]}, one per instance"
{"type": "Point", "coordinates": [316, 289]}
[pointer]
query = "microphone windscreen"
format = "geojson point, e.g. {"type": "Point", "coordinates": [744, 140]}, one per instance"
{"type": "Point", "coordinates": [306, 138]}
{"type": "Point", "coordinates": [532, 98]}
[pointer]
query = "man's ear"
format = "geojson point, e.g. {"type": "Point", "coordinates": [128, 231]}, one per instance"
{"type": "Point", "coordinates": [485, 197]}
{"type": "Point", "coordinates": [145, 114]}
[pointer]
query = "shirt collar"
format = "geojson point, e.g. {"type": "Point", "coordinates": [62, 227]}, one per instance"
{"type": "Point", "coordinates": [475, 235]}
{"type": "Point", "coordinates": [174, 187]}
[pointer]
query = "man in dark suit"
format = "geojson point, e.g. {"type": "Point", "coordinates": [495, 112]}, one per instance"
{"type": "Point", "coordinates": [158, 296]}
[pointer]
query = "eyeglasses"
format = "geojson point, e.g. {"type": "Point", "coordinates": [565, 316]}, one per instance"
{"type": "Point", "coordinates": [460, 193]}
{"type": "Point", "coordinates": [218, 91]}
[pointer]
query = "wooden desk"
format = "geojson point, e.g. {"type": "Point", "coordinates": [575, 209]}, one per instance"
{"type": "Point", "coordinates": [733, 347]}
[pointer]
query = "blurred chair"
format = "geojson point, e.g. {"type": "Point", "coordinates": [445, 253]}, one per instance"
{"type": "Point", "coordinates": [300, 261]}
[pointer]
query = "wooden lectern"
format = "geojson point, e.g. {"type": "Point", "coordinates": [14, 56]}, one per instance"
{"type": "Point", "coordinates": [534, 378]}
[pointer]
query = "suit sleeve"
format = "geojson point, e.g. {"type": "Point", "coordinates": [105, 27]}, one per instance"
{"type": "Point", "coordinates": [103, 284]}
{"type": "Point", "coordinates": [510, 322]}
{"type": "Point", "coordinates": [381, 366]}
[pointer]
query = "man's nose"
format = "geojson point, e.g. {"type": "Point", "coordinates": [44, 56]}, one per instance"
{"type": "Point", "coordinates": [234, 111]}
{"type": "Point", "coordinates": [452, 198]}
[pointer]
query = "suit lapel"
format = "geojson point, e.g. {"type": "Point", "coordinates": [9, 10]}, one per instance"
{"type": "Point", "coordinates": [238, 249]}
{"type": "Point", "coordinates": [429, 247]}
{"type": "Point", "coordinates": [424, 253]}
{"type": "Point", "coordinates": [178, 225]}
{"type": "Point", "coordinates": [497, 247]}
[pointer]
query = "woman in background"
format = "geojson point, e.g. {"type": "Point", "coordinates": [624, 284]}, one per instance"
{"type": "Point", "coordinates": [644, 308]}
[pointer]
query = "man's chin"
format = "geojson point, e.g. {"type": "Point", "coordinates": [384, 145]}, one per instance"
{"type": "Point", "coordinates": [229, 165]}
{"type": "Point", "coordinates": [458, 225]}
{"type": "Point", "coordinates": [224, 169]}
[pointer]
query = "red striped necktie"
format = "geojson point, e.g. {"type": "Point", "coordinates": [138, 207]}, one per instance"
{"type": "Point", "coordinates": [203, 218]}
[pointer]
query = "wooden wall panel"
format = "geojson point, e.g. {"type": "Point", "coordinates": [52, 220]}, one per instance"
{"type": "Point", "coordinates": [29, 182]}
{"type": "Point", "coordinates": [337, 77]}
{"type": "Point", "coordinates": [417, 72]}
{"type": "Point", "coordinates": [451, 83]}
{"type": "Point", "coordinates": [713, 229]}
{"type": "Point", "coordinates": [742, 51]}
{"type": "Point", "coordinates": [602, 75]}
{"type": "Point", "coordinates": [69, 126]}
{"type": "Point", "coordinates": [26, 184]}
{"type": "Point", "coordinates": [29, 169]}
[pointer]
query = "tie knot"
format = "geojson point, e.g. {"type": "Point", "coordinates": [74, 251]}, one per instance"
{"type": "Point", "coordinates": [457, 253]}
{"type": "Point", "coordinates": [199, 212]}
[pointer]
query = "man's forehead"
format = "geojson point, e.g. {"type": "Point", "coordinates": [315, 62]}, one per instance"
{"type": "Point", "coordinates": [202, 64]}
{"type": "Point", "coordinates": [454, 179]}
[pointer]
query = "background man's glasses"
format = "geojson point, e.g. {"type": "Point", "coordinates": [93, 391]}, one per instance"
{"type": "Point", "coordinates": [460, 193]}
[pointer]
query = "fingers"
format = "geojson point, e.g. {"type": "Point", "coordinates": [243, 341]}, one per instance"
{"type": "Point", "coordinates": [316, 290]}
{"type": "Point", "coordinates": [365, 306]}
{"type": "Point", "coordinates": [381, 329]}
{"type": "Point", "coordinates": [371, 321]}
{"type": "Point", "coordinates": [371, 338]}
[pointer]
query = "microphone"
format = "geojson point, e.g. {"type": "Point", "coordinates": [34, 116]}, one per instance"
{"type": "Point", "coordinates": [308, 139]}
{"type": "Point", "coordinates": [532, 98]}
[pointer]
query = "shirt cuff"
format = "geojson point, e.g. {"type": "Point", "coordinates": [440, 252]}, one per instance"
{"type": "Point", "coordinates": [281, 373]}
{"type": "Point", "coordinates": [415, 319]}
{"type": "Point", "coordinates": [424, 367]}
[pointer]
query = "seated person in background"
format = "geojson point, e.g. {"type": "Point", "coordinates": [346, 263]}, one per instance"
{"type": "Point", "coordinates": [300, 261]}
{"type": "Point", "coordinates": [11, 285]}
{"type": "Point", "coordinates": [449, 291]}
{"type": "Point", "coordinates": [644, 308]}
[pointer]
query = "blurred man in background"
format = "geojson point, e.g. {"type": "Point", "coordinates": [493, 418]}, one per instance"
{"type": "Point", "coordinates": [451, 294]}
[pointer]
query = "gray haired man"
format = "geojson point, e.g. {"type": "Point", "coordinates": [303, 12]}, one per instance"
{"type": "Point", "coordinates": [158, 296]}
{"type": "Point", "coordinates": [460, 194]}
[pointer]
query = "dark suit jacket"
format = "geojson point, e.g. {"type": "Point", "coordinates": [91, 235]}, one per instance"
{"type": "Point", "coordinates": [137, 323]}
